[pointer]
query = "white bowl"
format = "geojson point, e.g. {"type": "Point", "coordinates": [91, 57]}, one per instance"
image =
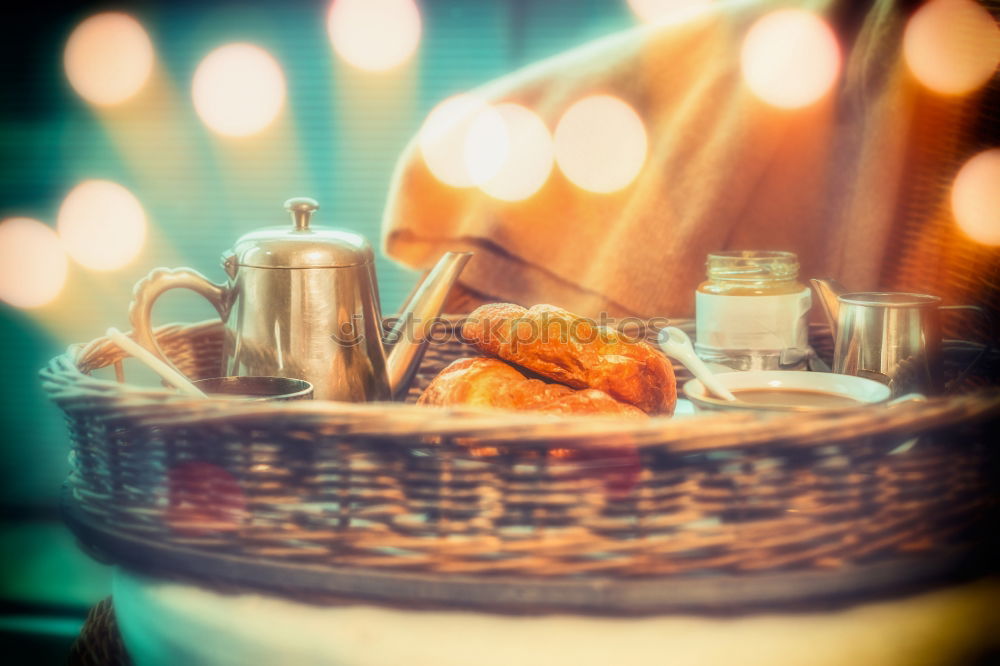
{"type": "Point", "coordinates": [859, 388]}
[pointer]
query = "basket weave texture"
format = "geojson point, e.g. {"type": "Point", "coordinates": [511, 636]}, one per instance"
{"type": "Point", "coordinates": [99, 642]}
{"type": "Point", "coordinates": [401, 487]}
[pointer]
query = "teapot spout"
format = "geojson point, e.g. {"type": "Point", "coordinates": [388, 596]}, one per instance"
{"type": "Point", "coordinates": [829, 290]}
{"type": "Point", "coordinates": [409, 335]}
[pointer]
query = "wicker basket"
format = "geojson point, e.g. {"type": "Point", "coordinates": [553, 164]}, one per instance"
{"type": "Point", "coordinates": [404, 503]}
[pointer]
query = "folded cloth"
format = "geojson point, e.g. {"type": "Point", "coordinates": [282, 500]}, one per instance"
{"type": "Point", "coordinates": [724, 170]}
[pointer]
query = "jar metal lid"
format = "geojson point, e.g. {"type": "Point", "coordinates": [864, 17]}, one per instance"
{"type": "Point", "coordinates": [752, 265]}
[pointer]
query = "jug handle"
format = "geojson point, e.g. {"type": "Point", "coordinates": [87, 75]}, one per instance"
{"type": "Point", "coordinates": [985, 316]}
{"type": "Point", "coordinates": [154, 285]}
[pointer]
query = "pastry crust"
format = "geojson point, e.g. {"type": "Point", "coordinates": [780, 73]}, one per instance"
{"type": "Point", "coordinates": [488, 382]}
{"type": "Point", "coordinates": [563, 347]}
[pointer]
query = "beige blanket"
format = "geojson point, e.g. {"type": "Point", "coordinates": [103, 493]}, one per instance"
{"type": "Point", "coordinates": [723, 171]}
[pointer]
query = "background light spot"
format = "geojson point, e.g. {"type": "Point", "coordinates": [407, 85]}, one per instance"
{"type": "Point", "coordinates": [32, 263]}
{"type": "Point", "coordinates": [790, 58]}
{"type": "Point", "coordinates": [656, 11]}
{"type": "Point", "coordinates": [600, 143]}
{"type": "Point", "coordinates": [952, 46]}
{"type": "Point", "coordinates": [975, 197]}
{"type": "Point", "coordinates": [238, 89]}
{"type": "Point", "coordinates": [529, 155]}
{"type": "Point", "coordinates": [102, 225]}
{"type": "Point", "coordinates": [486, 146]}
{"type": "Point", "coordinates": [374, 35]}
{"type": "Point", "coordinates": [463, 141]}
{"type": "Point", "coordinates": [108, 58]}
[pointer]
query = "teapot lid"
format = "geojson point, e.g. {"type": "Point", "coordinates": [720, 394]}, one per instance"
{"type": "Point", "coordinates": [301, 245]}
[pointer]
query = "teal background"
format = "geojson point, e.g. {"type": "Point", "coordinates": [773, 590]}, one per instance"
{"type": "Point", "coordinates": [344, 132]}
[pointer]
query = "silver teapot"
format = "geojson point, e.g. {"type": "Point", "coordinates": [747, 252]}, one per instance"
{"type": "Point", "coordinates": [302, 302]}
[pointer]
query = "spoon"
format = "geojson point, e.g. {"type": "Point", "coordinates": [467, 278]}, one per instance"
{"type": "Point", "coordinates": [173, 377]}
{"type": "Point", "coordinates": [677, 345]}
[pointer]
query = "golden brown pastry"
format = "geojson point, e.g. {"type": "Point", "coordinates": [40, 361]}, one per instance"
{"type": "Point", "coordinates": [487, 382]}
{"type": "Point", "coordinates": [569, 349]}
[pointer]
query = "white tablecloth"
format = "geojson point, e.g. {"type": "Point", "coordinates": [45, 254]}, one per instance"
{"type": "Point", "coordinates": [169, 624]}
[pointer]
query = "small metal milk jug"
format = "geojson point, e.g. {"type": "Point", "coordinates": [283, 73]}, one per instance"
{"type": "Point", "coordinates": [891, 337]}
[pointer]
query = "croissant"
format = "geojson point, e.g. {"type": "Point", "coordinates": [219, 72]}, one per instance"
{"type": "Point", "coordinates": [565, 348]}
{"type": "Point", "coordinates": [488, 382]}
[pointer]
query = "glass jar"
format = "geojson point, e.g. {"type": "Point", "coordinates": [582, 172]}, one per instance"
{"type": "Point", "coordinates": [751, 312]}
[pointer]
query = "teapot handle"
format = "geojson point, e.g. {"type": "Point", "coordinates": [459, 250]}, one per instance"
{"type": "Point", "coordinates": [153, 286]}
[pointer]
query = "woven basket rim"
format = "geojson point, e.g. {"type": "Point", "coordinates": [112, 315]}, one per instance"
{"type": "Point", "coordinates": [68, 383]}
{"type": "Point", "coordinates": [391, 487]}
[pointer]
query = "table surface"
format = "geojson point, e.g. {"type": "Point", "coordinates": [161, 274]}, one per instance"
{"type": "Point", "coordinates": [166, 623]}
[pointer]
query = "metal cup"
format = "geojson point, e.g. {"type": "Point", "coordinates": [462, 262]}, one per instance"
{"type": "Point", "coordinates": [257, 388]}
{"type": "Point", "coordinates": [894, 338]}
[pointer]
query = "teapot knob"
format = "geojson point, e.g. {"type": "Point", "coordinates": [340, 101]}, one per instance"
{"type": "Point", "coordinates": [301, 209]}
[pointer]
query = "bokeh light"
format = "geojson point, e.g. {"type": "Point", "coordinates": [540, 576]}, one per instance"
{"type": "Point", "coordinates": [102, 225]}
{"type": "Point", "coordinates": [108, 58]}
{"type": "Point", "coordinates": [374, 35]}
{"type": "Point", "coordinates": [952, 46]}
{"type": "Point", "coordinates": [529, 155]}
{"type": "Point", "coordinates": [32, 263]}
{"type": "Point", "coordinates": [600, 143]}
{"type": "Point", "coordinates": [657, 11]}
{"type": "Point", "coordinates": [487, 146]}
{"type": "Point", "coordinates": [790, 58]}
{"type": "Point", "coordinates": [238, 89]}
{"type": "Point", "coordinates": [463, 141]}
{"type": "Point", "coordinates": [975, 197]}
